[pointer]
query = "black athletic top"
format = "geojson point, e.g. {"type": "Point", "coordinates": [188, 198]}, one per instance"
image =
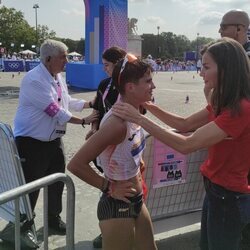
{"type": "Point", "coordinates": [106, 97]}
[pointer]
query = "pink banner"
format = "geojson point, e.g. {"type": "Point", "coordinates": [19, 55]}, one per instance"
{"type": "Point", "coordinates": [170, 166]}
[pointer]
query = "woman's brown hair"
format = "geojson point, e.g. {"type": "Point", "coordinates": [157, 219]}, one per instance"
{"type": "Point", "coordinates": [130, 69]}
{"type": "Point", "coordinates": [233, 70]}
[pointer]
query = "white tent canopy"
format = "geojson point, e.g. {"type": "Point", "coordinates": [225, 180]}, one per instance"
{"type": "Point", "coordinates": [27, 51]}
{"type": "Point", "coordinates": [74, 53]}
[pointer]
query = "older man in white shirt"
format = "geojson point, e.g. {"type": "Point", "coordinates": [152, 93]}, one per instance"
{"type": "Point", "coordinates": [40, 122]}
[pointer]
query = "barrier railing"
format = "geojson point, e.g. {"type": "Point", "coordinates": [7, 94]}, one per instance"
{"type": "Point", "coordinates": [17, 193]}
{"type": "Point", "coordinates": [179, 189]}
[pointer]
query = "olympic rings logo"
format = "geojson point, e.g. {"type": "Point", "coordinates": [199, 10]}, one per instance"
{"type": "Point", "coordinates": [13, 65]}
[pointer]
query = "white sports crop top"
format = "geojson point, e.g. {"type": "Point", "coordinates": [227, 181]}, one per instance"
{"type": "Point", "coordinates": [122, 161]}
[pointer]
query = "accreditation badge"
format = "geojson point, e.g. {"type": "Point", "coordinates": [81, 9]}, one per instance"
{"type": "Point", "coordinates": [60, 129]}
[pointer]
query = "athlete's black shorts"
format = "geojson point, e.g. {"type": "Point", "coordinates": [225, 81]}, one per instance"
{"type": "Point", "coordinates": [109, 208]}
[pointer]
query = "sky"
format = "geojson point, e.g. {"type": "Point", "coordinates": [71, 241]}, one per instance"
{"type": "Point", "coordinates": [182, 17]}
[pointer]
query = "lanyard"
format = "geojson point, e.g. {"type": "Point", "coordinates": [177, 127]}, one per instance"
{"type": "Point", "coordinates": [105, 94]}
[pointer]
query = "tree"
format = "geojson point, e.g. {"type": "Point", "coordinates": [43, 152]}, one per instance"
{"type": "Point", "coordinates": [183, 44]}
{"type": "Point", "coordinates": [199, 42]}
{"type": "Point", "coordinates": [44, 33]}
{"type": "Point", "coordinates": [149, 45]}
{"type": "Point", "coordinates": [16, 30]}
{"type": "Point", "coordinates": [81, 46]}
{"type": "Point", "coordinates": [171, 45]}
{"type": "Point", "coordinates": [73, 45]}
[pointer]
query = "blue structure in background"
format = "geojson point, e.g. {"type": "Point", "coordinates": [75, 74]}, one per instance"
{"type": "Point", "coordinates": [105, 26]}
{"type": "Point", "coordinates": [84, 76]}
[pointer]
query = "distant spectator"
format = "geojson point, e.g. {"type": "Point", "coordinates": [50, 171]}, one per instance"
{"type": "Point", "coordinates": [198, 65]}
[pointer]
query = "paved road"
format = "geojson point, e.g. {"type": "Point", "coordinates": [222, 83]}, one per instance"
{"type": "Point", "coordinates": [170, 93]}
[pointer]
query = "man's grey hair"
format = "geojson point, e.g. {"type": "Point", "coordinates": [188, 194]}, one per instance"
{"type": "Point", "coordinates": [51, 48]}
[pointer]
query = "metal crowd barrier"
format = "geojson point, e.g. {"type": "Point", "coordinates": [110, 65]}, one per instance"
{"type": "Point", "coordinates": [177, 198]}
{"type": "Point", "coordinates": [17, 193]}
{"type": "Point", "coordinates": [11, 176]}
{"type": "Point", "coordinates": [14, 199]}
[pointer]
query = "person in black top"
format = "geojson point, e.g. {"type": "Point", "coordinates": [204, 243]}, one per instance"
{"type": "Point", "coordinates": [106, 96]}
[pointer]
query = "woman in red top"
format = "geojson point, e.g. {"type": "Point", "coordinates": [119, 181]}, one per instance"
{"type": "Point", "coordinates": [224, 128]}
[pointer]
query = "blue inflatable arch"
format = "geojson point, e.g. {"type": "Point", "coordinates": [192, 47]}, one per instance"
{"type": "Point", "coordinates": [105, 26]}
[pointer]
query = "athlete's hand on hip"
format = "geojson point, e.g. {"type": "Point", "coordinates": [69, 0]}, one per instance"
{"type": "Point", "coordinates": [122, 190]}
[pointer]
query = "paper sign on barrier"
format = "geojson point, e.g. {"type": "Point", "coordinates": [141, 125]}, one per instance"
{"type": "Point", "coordinates": [170, 166]}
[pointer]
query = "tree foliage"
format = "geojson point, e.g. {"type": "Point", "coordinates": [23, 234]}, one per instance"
{"type": "Point", "coordinates": [44, 33]}
{"type": "Point", "coordinates": [78, 46]}
{"type": "Point", "coordinates": [168, 45]}
{"type": "Point", "coordinates": [15, 30]}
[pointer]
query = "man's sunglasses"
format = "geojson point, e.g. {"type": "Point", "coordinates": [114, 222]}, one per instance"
{"type": "Point", "coordinates": [225, 26]}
